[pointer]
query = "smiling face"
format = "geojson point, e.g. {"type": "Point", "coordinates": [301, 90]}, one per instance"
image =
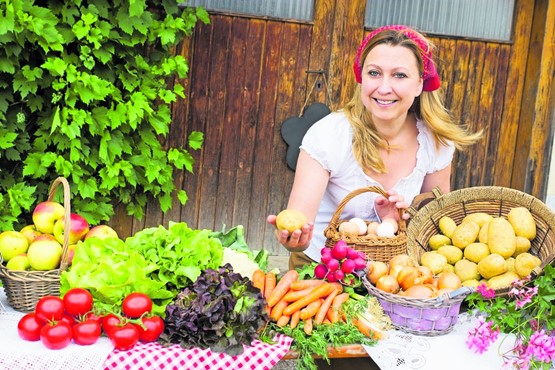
{"type": "Point", "coordinates": [390, 83]}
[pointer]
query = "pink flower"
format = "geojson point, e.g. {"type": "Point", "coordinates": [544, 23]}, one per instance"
{"type": "Point", "coordinates": [523, 296]}
{"type": "Point", "coordinates": [542, 347]}
{"type": "Point", "coordinates": [482, 336]}
{"type": "Point", "coordinates": [485, 292]}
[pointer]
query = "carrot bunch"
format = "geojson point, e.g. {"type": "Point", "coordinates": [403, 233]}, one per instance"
{"type": "Point", "coordinates": [291, 300]}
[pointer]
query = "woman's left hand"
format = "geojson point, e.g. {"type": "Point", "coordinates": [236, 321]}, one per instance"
{"type": "Point", "coordinates": [389, 207]}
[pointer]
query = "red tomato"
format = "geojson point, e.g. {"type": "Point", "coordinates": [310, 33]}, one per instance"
{"type": "Point", "coordinates": [78, 301]}
{"type": "Point", "coordinates": [69, 319]}
{"type": "Point", "coordinates": [93, 316]}
{"type": "Point", "coordinates": [154, 326]}
{"type": "Point", "coordinates": [136, 304]}
{"type": "Point", "coordinates": [124, 337]}
{"type": "Point", "coordinates": [29, 326]}
{"type": "Point", "coordinates": [86, 332]}
{"type": "Point", "coordinates": [56, 335]}
{"type": "Point", "coordinates": [50, 308]}
{"type": "Point", "coordinates": [109, 322]}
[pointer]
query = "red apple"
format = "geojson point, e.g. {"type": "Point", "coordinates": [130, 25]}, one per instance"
{"type": "Point", "coordinates": [45, 237]}
{"type": "Point", "coordinates": [46, 214]}
{"type": "Point", "coordinates": [70, 253]}
{"type": "Point", "coordinates": [79, 227]}
{"type": "Point", "coordinates": [30, 232]}
{"type": "Point", "coordinates": [101, 232]}
{"type": "Point", "coordinates": [45, 255]}
{"type": "Point", "coordinates": [12, 243]}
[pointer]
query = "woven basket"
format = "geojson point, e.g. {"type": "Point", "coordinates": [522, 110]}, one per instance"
{"type": "Point", "coordinates": [494, 200]}
{"type": "Point", "coordinates": [427, 317]}
{"type": "Point", "coordinates": [375, 249]}
{"type": "Point", "coordinates": [24, 288]}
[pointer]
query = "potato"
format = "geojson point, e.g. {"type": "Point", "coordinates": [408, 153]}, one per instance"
{"type": "Point", "coordinates": [438, 240]}
{"type": "Point", "coordinates": [447, 226]}
{"type": "Point", "coordinates": [525, 263]}
{"type": "Point", "coordinates": [481, 218]}
{"type": "Point", "coordinates": [522, 222]}
{"type": "Point", "coordinates": [502, 281]}
{"type": "Point", "coordinates": [501, 237]}
{"type": "Point", "coordinates": [483, 235]}
{"type": "Point", "coordinates": [465, 234]}
{"type": "Point", "coordinates": [491, 266]}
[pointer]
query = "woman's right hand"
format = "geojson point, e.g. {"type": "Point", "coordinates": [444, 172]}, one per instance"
{"type": "Point", "coordinates": [297, 241]}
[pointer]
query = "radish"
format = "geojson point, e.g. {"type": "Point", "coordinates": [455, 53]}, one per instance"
{"type": "Point", "coordinates": [320, 271]}
{"type": "Point", "coordinates": [348, 266]}
{"type": "Point", "coordinates": [339, 250]}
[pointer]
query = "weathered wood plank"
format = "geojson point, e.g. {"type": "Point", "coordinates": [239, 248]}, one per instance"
{"type": "Point", "coordinates": [264, 138]}
{"type": "Point", "coordinates": [219, 60]}
{"type": "Point", "coordinates": [538, 92]}
{"type": "Point", "coordinates": [513, 94]}
{"type": "Point", "coordinates": [249, 104]}
{"type": "Point", "coordinates": [198, 116]}
{"type": "Point", "coordinates": [233, 79]}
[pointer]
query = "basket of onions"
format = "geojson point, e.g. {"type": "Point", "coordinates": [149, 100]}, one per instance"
{"type": "Point", "coordinates": [416, 300]}
{"type": "Point", "coordinates": [378, 241]}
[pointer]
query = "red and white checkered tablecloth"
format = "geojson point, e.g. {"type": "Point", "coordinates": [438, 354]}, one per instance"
{"type": "Point", "coordinates": [258, 356]}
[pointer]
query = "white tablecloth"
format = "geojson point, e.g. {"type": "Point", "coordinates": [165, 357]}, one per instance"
{"type": "Point", "coordinates": [17, 354]}
{"type": "Point", "coordinates": [401, 351]}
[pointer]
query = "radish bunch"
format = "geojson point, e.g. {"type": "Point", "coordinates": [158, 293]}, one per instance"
{"type": "Point", "coordinates": [340, 263]}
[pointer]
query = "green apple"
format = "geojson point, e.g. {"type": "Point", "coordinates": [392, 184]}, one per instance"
{"type": "Point", "coordinates": [12, 243]}
{"type": "Point", "coordinates": [101, 232]}
{"type": "Point", "coordinates": [19, 262]}
{"type": "Point", "coordinates": [46, 214]}
{"type": "Point", "coordinates": [45, 255]}
{"type": "Point", "coordinates": [78, 228]}
{"type": "Point", "coordinates": [30, 232]}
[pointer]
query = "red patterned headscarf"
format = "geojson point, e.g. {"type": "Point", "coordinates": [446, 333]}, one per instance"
{"type": "Point", "coordinates": [430, 76]}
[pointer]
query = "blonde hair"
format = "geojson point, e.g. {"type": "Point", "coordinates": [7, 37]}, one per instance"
{"type": "Point", "coordinates": [429, 107]}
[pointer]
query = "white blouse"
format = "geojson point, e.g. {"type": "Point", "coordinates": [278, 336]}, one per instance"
{"type": "Point", "coordinates": [329, 141]}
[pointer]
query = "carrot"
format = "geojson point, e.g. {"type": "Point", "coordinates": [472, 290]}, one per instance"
{"type": "Point", "coordinates": [304, 284]}
{"type": "Point", "coordinates": [282, 287]}
{"type": "Point", "coordinates": [335, 309]}
{"type": "Point", "coordinates": [269, 284]}
{"type": "Point", "coordinates": [277, 311]}
{"type": "Point", "coordinates": [311, 309]}
{"type": "Point", "coordinates": [283, 320]}
{"type": "Point", "coordinates": [295, 318]}
{"type": "Point", "coordinates": [326, 321]}
{"type": "Point", "coordinates": [308, 326]}
{"type": "Point", "coordinates": [293, 295]}
{"type": "Point", "coordinates": [321, 314]}
{"type": "Point", "coordinates": [337, 286]}
{"type": "Point", "coordinates": [258, 279]}
{"type": "Point", "coordinates": [315, 294]}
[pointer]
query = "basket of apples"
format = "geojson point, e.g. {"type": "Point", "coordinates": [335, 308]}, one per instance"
{"type": "Point", "coordinates": [35, 256]}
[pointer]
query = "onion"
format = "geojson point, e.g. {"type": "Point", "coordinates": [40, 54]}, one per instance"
{"type": "Point", "coordinates": [376, 270]}
{"type": "Point", "coordinates": [407, 277]}
{"type": "Point", "coordinates": [420, 291]}
{"type": "Point", "coordinates": [448, 280]}
{"type": "Point", "coordinates": [388, 284]}
{"type": "Point", "coordinates": [394, 270]}
{"type": "Point", "coordinates": [425, 275]}
{"type": "Point", "coordinates": [400, 259]}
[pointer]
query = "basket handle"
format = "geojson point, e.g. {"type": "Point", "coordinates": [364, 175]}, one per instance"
{"type": "Point", "coordinates": [67, 217]}
{"type": "Point", "coordinates": [422, 199]}
{"type": "Point", "coordinates": [354, 193]}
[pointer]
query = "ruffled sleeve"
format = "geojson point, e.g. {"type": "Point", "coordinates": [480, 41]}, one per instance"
{"type": "Point", "coordinates": [437, 158]}
{"type": "Point", "coordinates": [327, 141]}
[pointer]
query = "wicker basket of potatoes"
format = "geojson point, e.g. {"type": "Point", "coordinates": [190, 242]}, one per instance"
{"type": "Point", "coordinates": [487, 234]}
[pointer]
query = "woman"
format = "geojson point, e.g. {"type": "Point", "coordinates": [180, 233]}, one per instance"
{"type": "Point", "coordinates": [394, 133]}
